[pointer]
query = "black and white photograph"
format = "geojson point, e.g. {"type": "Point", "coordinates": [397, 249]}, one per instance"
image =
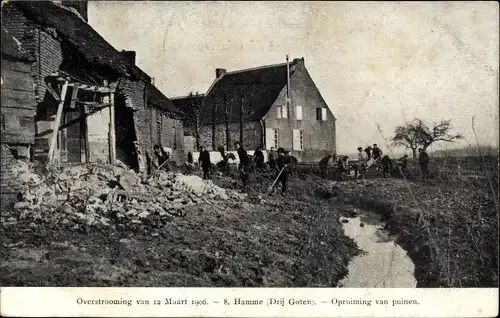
{"type": "Point", "coordinates": [283, 144]}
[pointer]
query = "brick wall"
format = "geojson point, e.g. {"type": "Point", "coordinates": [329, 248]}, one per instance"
{"type": "Point", "coordinates": [9, 183]}
{"type": "Point", "coordinates": [41, 42]}
{"type": "Point", "coordinates": [252, 135]}
{"type": "Point", "coordinates": [319, 136]}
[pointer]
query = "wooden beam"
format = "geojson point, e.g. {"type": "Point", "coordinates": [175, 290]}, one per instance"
{"type": "Point", "coordinates": [53, 92]}
{"type": "Point", "coordinates": [55, 131]}
{"type": "Point", "coordinates": [99, 89]}
{"type": "Point", "coordinates": [74, 96]}
{"type": "Point", "coordinates": [112, 131]}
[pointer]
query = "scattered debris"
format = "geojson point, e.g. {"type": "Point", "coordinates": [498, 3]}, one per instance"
{"type": "Point", "coordinates": [99, 195]}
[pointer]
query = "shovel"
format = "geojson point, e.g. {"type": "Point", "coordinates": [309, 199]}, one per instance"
{"type": "Point", "coordinates": [161, 166]}
{"type": "Point", "coordinates": [271, 187]}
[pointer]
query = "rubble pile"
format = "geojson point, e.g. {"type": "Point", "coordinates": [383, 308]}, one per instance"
{"type": "Point", "coordinates": [109, 195]}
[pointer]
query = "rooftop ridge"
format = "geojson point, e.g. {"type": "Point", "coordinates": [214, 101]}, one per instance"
{"type": "Point", "coordinates": [188, 96]}
{"type": "Point", "coordinates": [258, 68]}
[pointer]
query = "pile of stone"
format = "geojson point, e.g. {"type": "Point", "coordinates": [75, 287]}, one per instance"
{"type": "Point", "coordinates": [110, 196]}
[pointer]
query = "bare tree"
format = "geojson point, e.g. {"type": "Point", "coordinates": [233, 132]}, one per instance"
{"type": "Point", "coordinates": [439, 132]}
{"type": "Point", "coordinates": [406, 136]}
{"type": "Point", "coordinates": [417, 133]}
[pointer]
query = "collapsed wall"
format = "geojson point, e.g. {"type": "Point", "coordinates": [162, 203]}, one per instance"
{"type": "Point", "coordinates": [106, 195]}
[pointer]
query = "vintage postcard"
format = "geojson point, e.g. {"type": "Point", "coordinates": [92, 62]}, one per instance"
{"type": "Point", "coordinates": [249, 159]}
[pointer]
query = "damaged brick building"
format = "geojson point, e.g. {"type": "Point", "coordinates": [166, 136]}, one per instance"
{"type": "Point", "coordinates": [18, 116]}
{"type": "Point", "coordinates": [270, 106]}
{"type": "Point", "coordinates": [94, 97]}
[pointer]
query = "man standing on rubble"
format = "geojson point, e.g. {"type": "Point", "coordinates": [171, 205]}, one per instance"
{"type": "Point", "coordinates": [161, 157]}
{"type": "Point", "coordinates": [282, 164]}
{"type": "Point", "coordinates": [243, 167]}
{"type": "Point", "coordinates": [323, 166]}
{"type": "Point", "coordinates": [204, 160]}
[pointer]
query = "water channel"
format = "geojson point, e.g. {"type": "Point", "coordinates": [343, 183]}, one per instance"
{"type": "Point", "coordinates": [382, 263]}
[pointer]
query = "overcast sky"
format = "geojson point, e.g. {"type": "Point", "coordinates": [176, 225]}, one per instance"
{"type": "Point", "coordinates": [375, 63]}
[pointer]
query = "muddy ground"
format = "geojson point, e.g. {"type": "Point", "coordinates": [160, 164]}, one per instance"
{"type": "Point", "coordinates": [271, 241]}
{"type": "Point", "coordinates": [448, 227]}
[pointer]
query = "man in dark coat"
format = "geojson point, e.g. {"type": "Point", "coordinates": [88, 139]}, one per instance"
{"type": "Point", "coordinates": [376, 152]}
{"type": "Point", "coordinates": [368, 151]}
{"type": "Point", "coordinates": [386, 166]}
{"type": "Point", "coordinates": [282, 164]}
{"type": "Point", "coordinates": [403, 163]}
{"type": "Point", "coordinates": [272, 159]}
{"type": "Point", "coordinates": [259, 159]}
{"type": "Point", "coordinates": [323, 166]}
{"type": "Point", "coordinates": [243, 166]}
{"type": "Point", "coordinates": [204, 160]}
{"type": "Point", "coordinates": [162, 158]}
{"type": "Point", "coordinates": [423, 161]}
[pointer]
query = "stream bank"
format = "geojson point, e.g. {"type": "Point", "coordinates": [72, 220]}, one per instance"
{"type": "Point", "coordinates": [382, 262]}
{"type": "Point", "coordinates": [449, 228]}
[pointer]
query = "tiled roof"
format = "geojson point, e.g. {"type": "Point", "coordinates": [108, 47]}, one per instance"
{"type": "Point", "coordinates": [12, 47]}
{"type": "Point", "coordinates": [259, 88]}
{"type": "Point", "coordinates": [94, 47]}
{"type": "Point", "coordinates": [185, 103]}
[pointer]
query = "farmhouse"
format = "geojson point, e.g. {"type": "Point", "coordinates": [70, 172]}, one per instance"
{"type": "Point", "coordinates": [95, 98]}
{"type": "Point", "coordinates": [270, 106]}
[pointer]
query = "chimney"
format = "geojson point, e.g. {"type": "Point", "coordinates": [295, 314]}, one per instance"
{"type": "Point", "coordinates": [129, 56]}
{"type": "Point", "coordinates": [219, 72]}
{"type": "Point", "coordinates": [79, 6]}
{"type": "Point", "coordinates": [298, 61]}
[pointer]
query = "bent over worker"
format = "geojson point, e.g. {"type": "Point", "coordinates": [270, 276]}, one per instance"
{"type": "Point", "coordinates": [282, 163]}
{"type": "Point", "coordinates": [323, 165]}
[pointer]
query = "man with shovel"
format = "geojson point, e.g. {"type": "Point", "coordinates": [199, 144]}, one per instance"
{"type": "Point", "coordinates": [282, 175]}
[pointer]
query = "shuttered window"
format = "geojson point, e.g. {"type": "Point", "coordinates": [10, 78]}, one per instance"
{"type": "Point", "coordinates": [321, 114]}
{"type": "Point", "coordinates": [281, 112]}
{"type": "Point", "coordinates": [298, 139]}
{"type": "Point", "coordinates": [299, 113]}
{"type": "Point", "coordinates": [272, 137]}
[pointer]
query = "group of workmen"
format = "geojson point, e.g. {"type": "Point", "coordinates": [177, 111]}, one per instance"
{"type": "Point", "coordinates": [280, 162]}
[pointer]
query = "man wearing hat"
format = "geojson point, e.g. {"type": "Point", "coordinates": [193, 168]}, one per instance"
{"type": "Point", "coordinates": [282, 163]}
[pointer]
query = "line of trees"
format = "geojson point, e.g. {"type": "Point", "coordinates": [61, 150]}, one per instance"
{"type": "Point", "coordinates": [419, 134]}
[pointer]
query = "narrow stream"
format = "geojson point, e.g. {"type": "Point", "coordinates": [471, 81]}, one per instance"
{"type": "Point", "coordinates": [382, 263]}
